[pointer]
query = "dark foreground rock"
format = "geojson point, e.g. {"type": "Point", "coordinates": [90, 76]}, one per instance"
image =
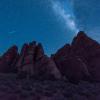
{"type": "Point", "coordinates": [14, 89]}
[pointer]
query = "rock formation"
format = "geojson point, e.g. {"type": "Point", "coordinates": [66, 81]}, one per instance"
{"type": "Point", "coordinates": [25, 63]}
{"type": "Point", "coordinates": [34, 63]}
{"type": "Point", "coordinates": [77, 61]}
{"type": "Point", "coordinates": [70, 65]}
{"type": "Point", "coordinates": [89, 51]}
{"type": "Point", "coordinates": [47, 69]}
{"type": "Point", "coordinates": [8, 60]}
{"type": "Point", "coordinates": [80, 59]}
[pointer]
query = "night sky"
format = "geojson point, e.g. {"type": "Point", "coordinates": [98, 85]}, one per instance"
{"type": "Point", "coordinates": [51, 22]}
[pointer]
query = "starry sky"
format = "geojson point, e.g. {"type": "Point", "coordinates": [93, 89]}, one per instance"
{"type": "Point", "coordinates": [51, 22]}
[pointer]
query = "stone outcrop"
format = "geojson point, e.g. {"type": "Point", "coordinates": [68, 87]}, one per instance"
{"type": "Point", "coordinates": [89, 51]}
{"type": "Point", "coordinates": [77, 61]}
{"type": "Point", "coordinates": [34, 63]}
{"type": "Point", "coordinates": [47, 69]}
{"type": "Point", "coordinates": [8, 60]}
{"type": "Point", "coordinates": [25, 63]}
{"type": "Point", "coordinates": [81, 58]}
{"type": "Point", "coordinates": [61, 55]}
{"type": "Point", "coordinates": [71, 65]}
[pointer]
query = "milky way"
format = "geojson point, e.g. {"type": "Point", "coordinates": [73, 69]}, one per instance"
{"type": "Point", "coordinates": [65, 14]}
{"type": "Point", "coordinates": [51, 22]}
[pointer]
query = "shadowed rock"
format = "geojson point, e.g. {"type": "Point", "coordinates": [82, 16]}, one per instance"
{"type": "Point", "coordinates": [74, 69]}
{"type": "Point", "coordinates": [61, 55]}
{"type": "Point", "coordinates": [34, 63]}
{"type": "Point", "coordinates": [89, 51]}
{"type": "Point", "coordinates": [70, 65]}
{"type": "Point", "coordinates": [78, 61]}
{"type": "Point", "coordinates": [8, 60]}
{"type": "Point", "coordinates": [26, 62]}
{"type": "Point", "coordinates": [39, 51]}
{"type": "Point", "coordinates": [21, 57]}
{"type": "Point", "coordinates": [46, 69]}
{"type": "Point", "coordinates": [83, 54]}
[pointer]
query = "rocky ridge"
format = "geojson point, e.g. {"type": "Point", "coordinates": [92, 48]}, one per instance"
{"type": "Point", "coordinates": [32, 75]}
{"type": "Point", "coordinates": [77, 61]}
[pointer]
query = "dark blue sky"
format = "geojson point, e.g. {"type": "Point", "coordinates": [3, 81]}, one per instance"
{"type": "Point", "coordinates": [51, 22]}
{"type": "Point", "coordinates": [87, 13]}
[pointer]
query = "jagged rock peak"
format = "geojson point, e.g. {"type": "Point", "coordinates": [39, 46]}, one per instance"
{"type": "Point", "coordinates": [87, 50]}
{"type": "Point", "coordinates": [81, 33]}
{"type": "Point", "coordinates": [78, 61]}
{"type": "Point", "coordinates": [79, 37]}
{"type": "Point", "coordinates": [9, 59]}
{"type": "Point", "coordinates": [40, 47]}
{"type": "Point", "coordinates": [33, 43]}
{"type": "Point", "coordinates": [11, 51]}
{"type": "Point", "coordinates": [13, 48]}
{"type": "Point", "coordinates": [62, 52]}
{"type": "Point", "coordinates": [39, 51]}
{"type": "Point", "coordinates": [24, 48]}
{"type": "Point", "coordinates": [82, 38]}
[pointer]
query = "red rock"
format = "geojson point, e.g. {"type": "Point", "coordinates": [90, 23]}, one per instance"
{"type": "Point", "coordinates": [21, 57]}
{"type": "Point", "coordinates": [74, 69]}
{"type": "Point", "coordinates": [39, 51]}
{"type": "Point", "coordinates": [89, 51]}
{"type": "Point", "coordinates": [83, 48]}
{"type": "Point", "coordinates": [47, 69]}
{"type": "Point", "coordinates": [33, 62]}
{"type": "Point", "coordinates": [71, 66]}
{"type": "Point", "coordinates": [8, 60]}
{"type": "Point", "coordinates": [10, 54]}
{"type": "Point", "coordinates": [26, 61]}
{"type": "Point", "coordinates": [78, 61]}
{"type": "Point", "coordinates": [61, 55]}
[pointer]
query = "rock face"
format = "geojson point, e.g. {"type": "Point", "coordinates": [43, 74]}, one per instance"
{"type": "Point", "coordinates": [8, 60]}
{"type": "Point", "coordinates": [25, 63]}
{"type": "Point", "coordinates": [47, 68]}
{"type": "Point", "coordinates": [81, 58]}
{"type": "Point", "coordinates": [77, 61]}
{"type": "Point", "coordinates": [89, 52]}
{"type": "Point", "coordinates": [34, 63]}
{"type": "Point", "coordinates": [71, 65]}
{"type": "Point", "coordinates": [61, 55]}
